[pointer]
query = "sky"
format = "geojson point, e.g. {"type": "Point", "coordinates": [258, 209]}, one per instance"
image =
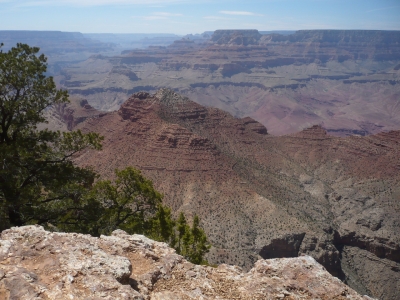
{"type": "Point", "coordinates": [196, 16]}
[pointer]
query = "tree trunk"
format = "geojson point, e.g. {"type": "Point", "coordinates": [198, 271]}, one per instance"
{"type": "Point", "coordinates": [4, 218]}
{"type": "Point", "coordinates": [14, 216]}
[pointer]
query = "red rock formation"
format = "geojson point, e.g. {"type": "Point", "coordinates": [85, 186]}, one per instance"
{"type": "Point", "coordinates": [73, 113]}
{"type": "Point", "coordinates": [309, 192]}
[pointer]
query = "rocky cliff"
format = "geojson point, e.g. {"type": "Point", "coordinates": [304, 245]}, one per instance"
{"type": "Point", "coordinates": [37, 264]}
{"type": "Point", "coordinates": [261, 196]}
{"type": "Point", "coordinates": [66, 116]}
{"type": "Point", "coordinates": [339, 45]}
{"type": "Point", "coordinates": [236, 37]}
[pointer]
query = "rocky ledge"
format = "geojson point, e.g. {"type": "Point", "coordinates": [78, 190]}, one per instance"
{"type": "Point", "coordinates": [37, 264]}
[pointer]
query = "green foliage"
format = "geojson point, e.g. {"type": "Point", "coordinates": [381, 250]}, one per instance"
{"type": "Point", "coordinates": [198, 244]}
{"type": "Point", "coordinates": [36, 166]}
{"type": "Point", "coordinates": [132, 204]}
{"type": "Point", "coordinates": [162, 226]}
{"type": "Point", "coordinates": [25, 92]}
{"type": "Point", "coordinates": [181, 228]}
{"type": "Point", "coordinates": [191, 242]}
{"type": "Point", "coordinates": [129, 203]}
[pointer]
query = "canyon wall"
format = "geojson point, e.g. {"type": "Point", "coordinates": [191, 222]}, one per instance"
{"type": "Point", "coordinates": [262, 196]}
{"type": "Point", "coordinates": [344, 80]}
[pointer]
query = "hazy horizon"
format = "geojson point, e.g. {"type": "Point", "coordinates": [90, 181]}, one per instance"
{"type": "Point", "coordinates": [184, 17]}
{"type": "Point", "coordinates": [170, 34]}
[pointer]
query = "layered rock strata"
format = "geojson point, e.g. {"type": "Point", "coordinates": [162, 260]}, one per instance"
{"type": "Point", "coordinates": [257, 195]}
{"type": "Point", "coordinates": [345, 80]}
{"type": "Point", "coordinates": [66, 116]}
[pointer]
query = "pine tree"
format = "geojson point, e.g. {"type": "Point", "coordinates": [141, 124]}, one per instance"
{"type": "Point", "coordinates": [162, 226]}
{"type": "Point", "coordinates": [199, 245]}
{"type": "Point", "coordinates": [35, 165]}
{"type": "Point", "coordinates": [182, 229]}
{"type": "Point", "coordinates": [192, 242]}
{"type": "Point", "coordinates": [129, 203]}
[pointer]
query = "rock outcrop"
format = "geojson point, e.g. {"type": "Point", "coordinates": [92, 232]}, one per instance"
{"type": "Point", "coordinates": [37, 264]}
{"type": "Point", "coordinates": [70, 114]}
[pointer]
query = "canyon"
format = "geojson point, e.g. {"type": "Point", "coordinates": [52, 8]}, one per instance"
{"type": "Point", "coordinates": [347, 81]}
{"type": "Point", "coordinates": [286, 145]}
{"type": "Point", "coordinates": [263, 196]}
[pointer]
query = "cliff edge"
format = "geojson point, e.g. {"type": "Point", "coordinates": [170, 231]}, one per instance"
{"type": "Point", "coordinates": [37, 264]}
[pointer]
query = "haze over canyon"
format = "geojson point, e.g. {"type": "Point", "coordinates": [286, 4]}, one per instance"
{"type": "Point", "coordinates": [284, 143]}
{"type": "Point", "coordinates": [345, 81]}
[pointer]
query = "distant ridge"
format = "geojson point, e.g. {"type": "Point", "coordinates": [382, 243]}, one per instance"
{"type": "Point", "coordinates": [52, 41]}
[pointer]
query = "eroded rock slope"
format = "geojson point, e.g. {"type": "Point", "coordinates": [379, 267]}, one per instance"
{"type": "Point", "coordinates": [261, 196]}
